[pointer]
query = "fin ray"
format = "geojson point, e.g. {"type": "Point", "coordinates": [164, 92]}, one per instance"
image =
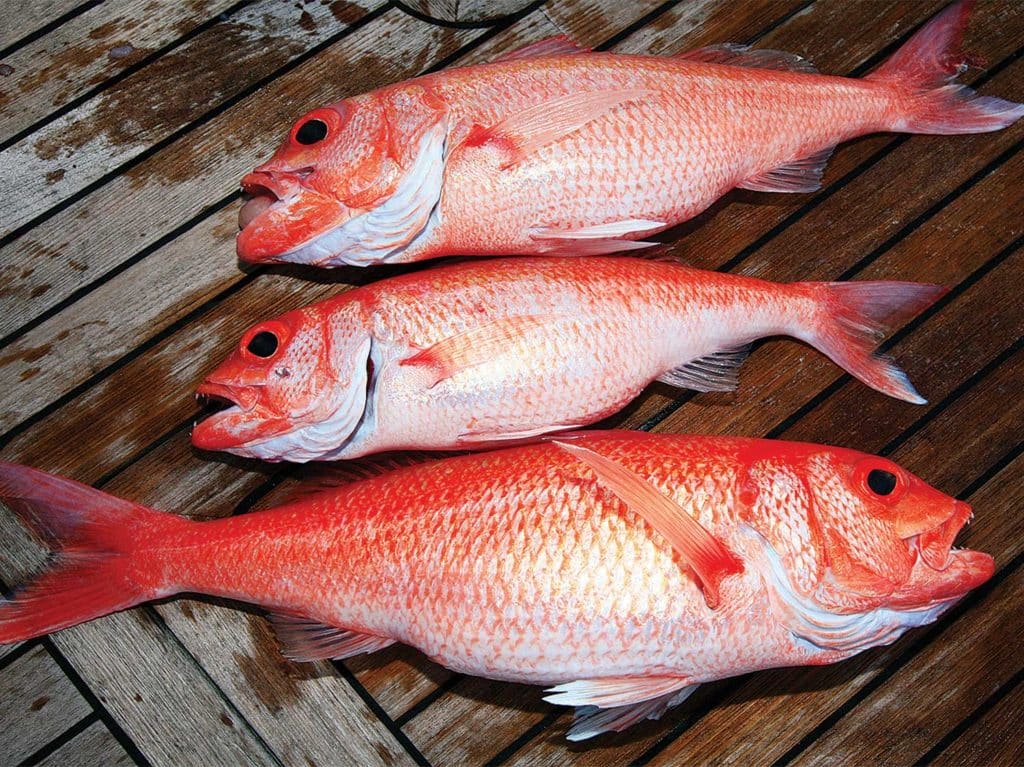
{"type": "Point", "coordinates": [709, 558]}
{"type": "Point", "coordinates": [718, 371]}
{"type": "Point", "coordinates": [305, 639]}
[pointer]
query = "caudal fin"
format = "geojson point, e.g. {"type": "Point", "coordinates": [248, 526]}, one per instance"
{"type": "Point", "coordinates": [851, 319]}
{"type": "Point", "coordinates": [94, 537]}
{"type": "Point", "coordinates": [924, 68]}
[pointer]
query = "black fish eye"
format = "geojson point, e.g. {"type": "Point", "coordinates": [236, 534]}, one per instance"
{"type": "Point", "coordinates": [311, 131]}
{"type": "Point", "coordinates": [263, 344]}
{"type": "Point", "coordinates": [881, 482]}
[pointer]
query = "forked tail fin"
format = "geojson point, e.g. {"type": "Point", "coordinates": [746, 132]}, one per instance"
{"type": "Point", "coordinates": [851, 319]}
{"type": "Point", "coordinates": [924, 68]}
{"type": "Point", "coordinates": [95, 538]}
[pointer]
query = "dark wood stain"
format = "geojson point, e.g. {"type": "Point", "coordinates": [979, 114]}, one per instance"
{"type": "Point", "coordinates": [961, 229]}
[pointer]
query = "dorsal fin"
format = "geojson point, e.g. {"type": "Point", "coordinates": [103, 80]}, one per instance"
{"type": "Point", "coordinates": [305, 639]}
{"type": "Point", "coordinates": [559, 45]}
{"type": "Point", "coordinates": [736, 55]}
{"type": "Point", "coordinates": [316, 477]}
{"type": "Point", "coordinates": [707, 556]}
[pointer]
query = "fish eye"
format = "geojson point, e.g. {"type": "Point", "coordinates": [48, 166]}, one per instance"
{"type": "Point", "coordinates": [263, 344]}
{"type": "Point", "coordinates": [311, 132]}
{"type": "Point", "coordinates": [881, 482]}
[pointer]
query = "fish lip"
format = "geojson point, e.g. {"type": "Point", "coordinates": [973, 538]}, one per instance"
{"type": "Point", "coordinates": [935, 546]}
{"type": "Point", "coordinates": [244, 398]}
{"type": "Point", "coordinates": [966, 570]}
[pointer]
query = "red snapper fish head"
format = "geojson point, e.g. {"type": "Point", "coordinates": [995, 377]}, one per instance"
{"type": "Point", "coordinates": [889, 535]}
{"type": "Point", "coordinates": [353, 183]}
{"type": "Point", "coordinates": [296, 387]}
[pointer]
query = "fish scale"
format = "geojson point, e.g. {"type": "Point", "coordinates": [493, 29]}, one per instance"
{"type": "Point", "coordinates": [622, 567]}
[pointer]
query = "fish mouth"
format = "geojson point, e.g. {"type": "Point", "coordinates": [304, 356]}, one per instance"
{"type": "Point", "coordinates": [231, 425]}
{"type": "Point", "coordinates": [941, 572]}
{"type": "Point", "coordinates": [281, 214]}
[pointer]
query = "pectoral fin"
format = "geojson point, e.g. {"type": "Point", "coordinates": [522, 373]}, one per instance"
{"type": "Point", "coordinates": [710, 560]}
{"type": "Point", "coordinates": [304, 639]}
{"type": "Point", "coordinates": [615, 703]}
{"type": "Point", "coordinates": [530, 129]}
{"type": "Point", "coordinates": [478, 345]}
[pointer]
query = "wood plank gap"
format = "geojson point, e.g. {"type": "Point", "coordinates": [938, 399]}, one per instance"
{"type": "Point", "coordinates": [950, 398]}
{"type": "Point", "coordinates": [74, 730]}
{"type": "Point", "coordinates": [49, 27]}
{"type": "Point", "coordinates": [89, 287]}
{"type": "Point", "coordinates": [640, 23]}
{"type": "Point", "coordinates": [93, 700]}
{"type": "Point", "coordinates": [910, 327]}
{"type": "Point", "coordinates": [932, 211]}
{"type": "Point", "coordinates": [113, 367]}
{"type": "Point", "coordinates": [371, 703]}
{"type": "Point", "coordinates": [994, 469]}
{"type": "Point", "coordinates": [88, 189]}
{"type": "Point", "coordinates": [991, 702]}
{"type": "Point", "coordinates": [504, 21]}
{"type": "Point", "coordinates": [20, 650]}
{"type": "Point", "coordinates": [921, 642]}
{"type": "Point", "coordinates": [158, 619]}
{"type": "Point", "coordinates": [115, 79]}
{"type": "Point", "coordinates": [423, 703]}
{"type": "Point", "coordinates": [510, 750]}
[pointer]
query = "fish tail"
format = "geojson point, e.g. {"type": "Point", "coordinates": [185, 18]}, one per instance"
{"type": "Point", "coordinates": [923, 70]}
{"type": "Point", "coordinates": [851, 318]}
{"type": "Point", "coordinates": [97, 540]}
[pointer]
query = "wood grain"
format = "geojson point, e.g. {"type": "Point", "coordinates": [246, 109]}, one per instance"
{"type": "Point", "coordinates": [992, 739]}
{"type": "Point", "coordinates": [122, 121]}
{"type": "Point", "coordinates": [39, 703]}
{"type": "Point", "coordinates": [34, 16]}
{"type": "Point", "coordinates": [94, 747]}
{"type": "Point", "coordinates": [74, 58]}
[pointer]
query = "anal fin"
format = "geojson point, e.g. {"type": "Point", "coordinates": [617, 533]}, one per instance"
{"type": "Point", "coordinates": [611, 704]}
{"type": "Point", "coordinates": [803, 175]}
{"type": "Point", "coordinates": [305, 639]}
{"type": "Point", "coordinates": [717, 371]}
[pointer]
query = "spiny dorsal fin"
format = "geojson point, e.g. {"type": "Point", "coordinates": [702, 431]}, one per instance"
{"type": "Point", "coordinates": [736, 55]}
{"type": "Point", "coordinates": [530, 129]}
{"type": "Point", "coordinates": [304, 639]}
{"type": "Point", "coordinates": [559, 45]}
{"type": "Point", "coordinates": [803, 175]}
{"type": "Point", "coordinates": [707, 556]}
{"type": "Point", "coordinates": [718, 371]}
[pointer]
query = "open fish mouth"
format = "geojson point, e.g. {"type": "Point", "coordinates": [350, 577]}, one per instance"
{"type": "Point", "coordinates": [943, 572]}
{"type": "Point", "coordinates": [282, 214]}
{"type": "Point", "coordinates": [231, 423]}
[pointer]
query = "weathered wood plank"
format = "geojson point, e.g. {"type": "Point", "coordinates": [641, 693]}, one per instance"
{"type": "Point", "coordinates": [992, 739]}
{"type": "Point", "coordinates": [34, 16]}
{"type": "Point", "coordinates": [39, 703]}
{"type": "Point", "coordinates": [76, 149]}
{"type": "Point", "coordinates": [94, 747]}
{"type": "Point", "coordinates": [984, 651]}
{"type": "Point", "coordinates": [978, 449]}
{"type": "Point", "coordinates": [142, 675]}
{"type": "Point", "coordinates": [764, 717]}
{"type": "Point", "coordinates": [77, 56]}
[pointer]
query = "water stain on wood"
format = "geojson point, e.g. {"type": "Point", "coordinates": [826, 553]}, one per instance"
{"type": "Point", "coordinates": [39, 702]}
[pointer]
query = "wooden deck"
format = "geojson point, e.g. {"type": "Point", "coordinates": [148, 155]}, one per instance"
{"type": "Point", "coordinates": [126, 126]}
